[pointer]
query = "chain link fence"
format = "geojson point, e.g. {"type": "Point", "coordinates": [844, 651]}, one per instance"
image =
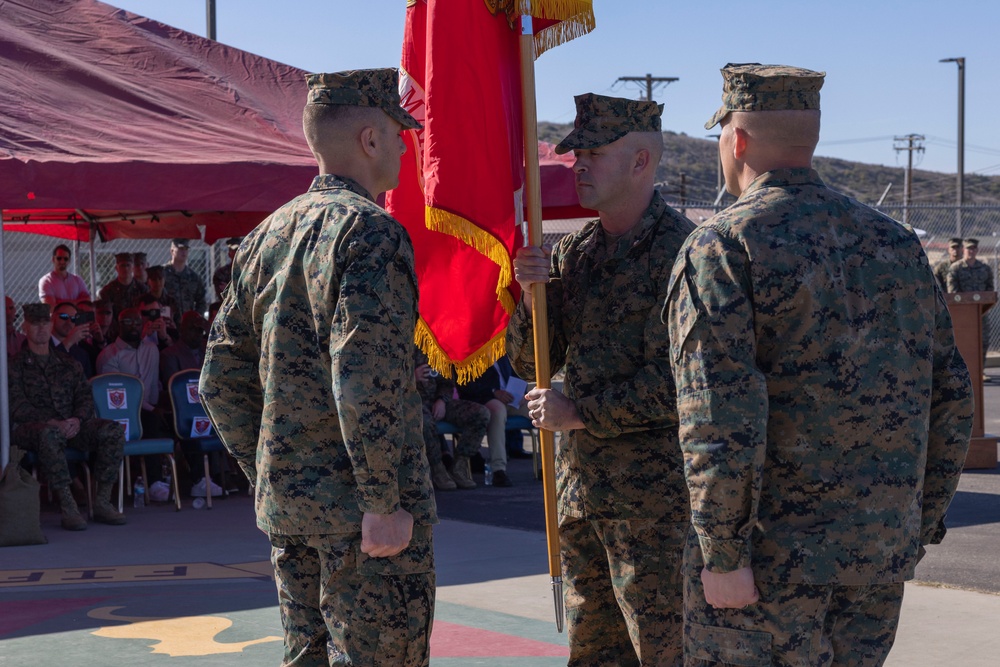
{"type": "Point", "coordinates": [28, 257]}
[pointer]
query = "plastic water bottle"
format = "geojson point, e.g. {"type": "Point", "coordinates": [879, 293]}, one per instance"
{"type": "Point", "coordinates": [488, 474]}
{"type": "Point", "coordinates": [167, 479]}
{"type": "Point", "coordinates": [198, 503]}
{"type": "Point", "coordinates": [139, 493]}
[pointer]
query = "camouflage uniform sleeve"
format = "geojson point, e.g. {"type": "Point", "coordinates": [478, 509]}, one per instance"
{"type": "Point", "coordinates": [22, 410]}
{"type": "Point", "coordinates": [950, 427]}
{"type": "Point", "coordinates": [373, 328]}
{"type": "Point", "coordinates": [954, 280]}
{"type": "Point", "coordinates": [520, 335]}
{"type": "Point", "coordinates": [721, 394]}
{"type": "Point", "coordinates": [230, 386]}
{"type": "Point", "coordinates": [645, 401]}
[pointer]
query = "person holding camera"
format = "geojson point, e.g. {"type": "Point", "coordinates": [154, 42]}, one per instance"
{"type": "Point", "coordinates": [157, 324]}
{"type": "Point", "coordinates": [67, 334]}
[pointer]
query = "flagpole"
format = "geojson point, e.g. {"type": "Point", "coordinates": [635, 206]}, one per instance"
{"type": "Point", "coordinates": [539, 314]}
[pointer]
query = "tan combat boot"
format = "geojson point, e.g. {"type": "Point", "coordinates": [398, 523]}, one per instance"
{"type": "Point", "coordinates": [71, 518]}
{"type": "Point", "coordinates": [104, 510]}
{"type": "Point", "coordinates": [442, 480]}
{"type": "Point", "coordinates": [461, 472]}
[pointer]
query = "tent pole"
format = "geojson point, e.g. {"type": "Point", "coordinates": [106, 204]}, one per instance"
{"type": "Point", "coordinates": [539, 313]}
{"type": "Point", "coordinates": [4, 397]}
{"type": "Point", "coordinates": [94, 287]}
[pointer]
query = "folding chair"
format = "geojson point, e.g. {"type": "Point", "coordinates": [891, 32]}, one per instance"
{"type": "Point", "coordinates": [191, 425]}
{"type": "Point", "coordinates": [118, 397]}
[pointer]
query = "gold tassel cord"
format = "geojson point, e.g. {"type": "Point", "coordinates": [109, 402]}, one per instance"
{"type": "Point", "coordinates": [465, 370]}
{"type": "Point", "coordinates": [485, 243]}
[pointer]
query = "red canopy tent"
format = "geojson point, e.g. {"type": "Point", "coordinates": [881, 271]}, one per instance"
{"type": "Point", "coordinates": [144, 129]}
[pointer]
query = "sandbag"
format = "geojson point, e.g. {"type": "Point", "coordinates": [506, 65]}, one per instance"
{"type": "Point", "coordinates": [20, 522]}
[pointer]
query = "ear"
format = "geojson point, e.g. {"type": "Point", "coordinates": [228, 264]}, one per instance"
{"type": "Point", "coordinates": [641, 160]}
{"type": "Point", "coordinates": [369, 141]}
{"type": "Point", "coordinates": [740, 138]}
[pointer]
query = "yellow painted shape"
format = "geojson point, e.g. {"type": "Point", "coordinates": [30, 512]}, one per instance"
{"type": "Point", "coordinates": [177, 637]}
{"type": "Point", "coordinates": [133, 574]}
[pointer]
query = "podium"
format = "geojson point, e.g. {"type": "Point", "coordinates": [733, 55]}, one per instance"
{"type": "Point", "coordinates": [967, 310]}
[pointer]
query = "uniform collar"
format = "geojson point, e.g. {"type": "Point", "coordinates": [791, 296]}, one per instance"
{"type": "Point", "coordinates": [782, 178]}
{"type": "Point", "coordinates": [646, 223]}
{"type": "Point", "coordinates": [334, 182]}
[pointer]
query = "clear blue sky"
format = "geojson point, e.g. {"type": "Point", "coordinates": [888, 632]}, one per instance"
{"type": "Point", "coordinates": [881, 59]}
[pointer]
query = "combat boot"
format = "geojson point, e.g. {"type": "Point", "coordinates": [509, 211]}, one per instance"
{"type": "Point", "coordinates": [104, 510]}
{"type": "Point", "coordinates": [461, 472]}
{"type": "Point", "coordinates": [71, 518]}
{"type": "Point", "coordinates": [442, 480]}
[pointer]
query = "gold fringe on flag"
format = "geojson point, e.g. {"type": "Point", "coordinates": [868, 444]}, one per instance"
{"type": "Point", "coordinates": [465, 370]}
{"type": "Point", "coordinates": [485, 243]}
{"type": "Point", "coordinates": [576, 19]}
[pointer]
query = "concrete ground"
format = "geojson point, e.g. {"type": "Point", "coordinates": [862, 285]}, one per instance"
{"type": "Point", "coordinates": [195, 588]}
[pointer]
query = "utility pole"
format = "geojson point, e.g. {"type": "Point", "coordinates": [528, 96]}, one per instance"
{"type": "Point", "coordinates": [210, 18]}
{"type": "Point", "coordinates": [911, 141]}
{"type": "Point", "coordinates": [650, 81]}
{"type": "Point", "coordinates": [960, 185]}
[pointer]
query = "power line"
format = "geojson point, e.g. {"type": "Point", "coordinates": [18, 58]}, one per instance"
{"type": "Point", "coordinates": [651, 82]}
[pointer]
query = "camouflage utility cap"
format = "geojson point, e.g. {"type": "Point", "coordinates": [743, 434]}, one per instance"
{"type": "Point", "coordinates": [971, 243]}
{"type": "Point", "coordinates": [36, 312]}
{"type": "Point", "coordinates": [954, 242]}
{"type": "Point", "coordinates": [362, 88]}
{"type": "Point", "coordinates": [601, 120]}
{"type": "Point", "coordinates": [756, 87]}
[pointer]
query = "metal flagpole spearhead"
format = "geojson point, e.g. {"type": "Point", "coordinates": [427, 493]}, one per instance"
{"type": "Point", "coordinates": [557, 597]}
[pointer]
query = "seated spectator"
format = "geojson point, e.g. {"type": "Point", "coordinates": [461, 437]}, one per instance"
{"type": "Point", "coordinates": [440, 403]}
{"type": "Point", "coordinates": [139, 266]}
{"type": "Point", "coordinates": [486, 390]}
{"type": "Point", "coordinates": [134, 354]}
{"type": "Point", "coordinates": [168, 303]}
{"type": "Point", "coordinates": [95, 339]}
{"type": "Point", "coordinates": [59, 284]}
{"type": "Point", "coordinates": [189, 351]}
{"type": "Point", "coordinates": [52, 408]}
{"type": "Point", "coordinates": [67, 336]}
{"type": "Point", "coordinates": [104, 316]}
{"type": "Point", "coordinates": [123, 290]}
{"type": "Point", "coordinates": [15, 339]}
{"type": "Point", "coordinates": [156, 325]}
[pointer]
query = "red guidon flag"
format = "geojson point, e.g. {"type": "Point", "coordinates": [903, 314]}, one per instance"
{"type": "Point", "coordinates": [460, 184]}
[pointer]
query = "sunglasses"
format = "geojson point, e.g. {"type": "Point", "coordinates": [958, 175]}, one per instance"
{"type": "Point", "coordinates": [67, 316]}
{"type": "Point", "coordinates": [62, 259]}
{"type": "Point", "coordinates": [152, 313]}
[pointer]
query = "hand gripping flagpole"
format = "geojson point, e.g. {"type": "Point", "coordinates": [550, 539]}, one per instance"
{"type": "Point", "coordinates": [539, 315]}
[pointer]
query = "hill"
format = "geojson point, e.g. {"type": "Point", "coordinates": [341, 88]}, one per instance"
{"type": "Point", "coordinates": [697, 160]}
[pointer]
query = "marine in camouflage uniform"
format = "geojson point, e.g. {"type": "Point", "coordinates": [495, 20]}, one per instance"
{"type": "Point", "coordinates": [622, 503]}
{"type": "Point", "coordinates": [186, 286]}
{"type": "Point", "coordinates": [942, 267]}
{"type": "Point", "coordinates": [119, 294]}
{"type": "Point", "coordinates": [309, 380]}
{"type": "Point", "coordinates": [972, 275]}
{"type": "Point", "coordinates": [825, 411]}
{"type": "Point", "coordinates": [48, 387]}
{"type": "Point", "coordinates": [471, 420]}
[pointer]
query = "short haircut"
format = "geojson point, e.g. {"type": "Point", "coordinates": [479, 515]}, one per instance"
{"type": "Point", "coordinates": [62, 246]}
{"type": "Point", "coordinates": [146, 299]}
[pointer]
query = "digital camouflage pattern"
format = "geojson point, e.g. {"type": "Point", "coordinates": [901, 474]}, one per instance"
{"type": "Point", "coordinates": [122, 296]}
{"type": "Point", "coordinates": [756, 87]}
{"type": "Point", "coordinates": [640, 556]}
{"type": "Point", "coordinates": [36, 312]}
{"type": "Point", "coordinates": [793, 624]}
{"type": "Point", "coordinates": [53, 386]}
{"type": "Point", "coordinates": [471, 419]}
{"type": "Point", "coordinates": [941, 273]}
{"type": "Point", "coordinates": [623, 471]}
{"type": "Point", "coordinates": [605, 328]}
{"type": "Point", "coordinates": [309, 375]}
{"type": "Point", "coordinates": [390, 601]}
{"type": "Point", "coordinates": [601, 120]}
{"type": "Point", "coordinates": [377, 88]}
{"type": "Point", "coordinates": [825, 411]}
{"type": "Point", "coordinates": [965, 278]}
{"type": "Point", "coordinates": [186, 287]}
